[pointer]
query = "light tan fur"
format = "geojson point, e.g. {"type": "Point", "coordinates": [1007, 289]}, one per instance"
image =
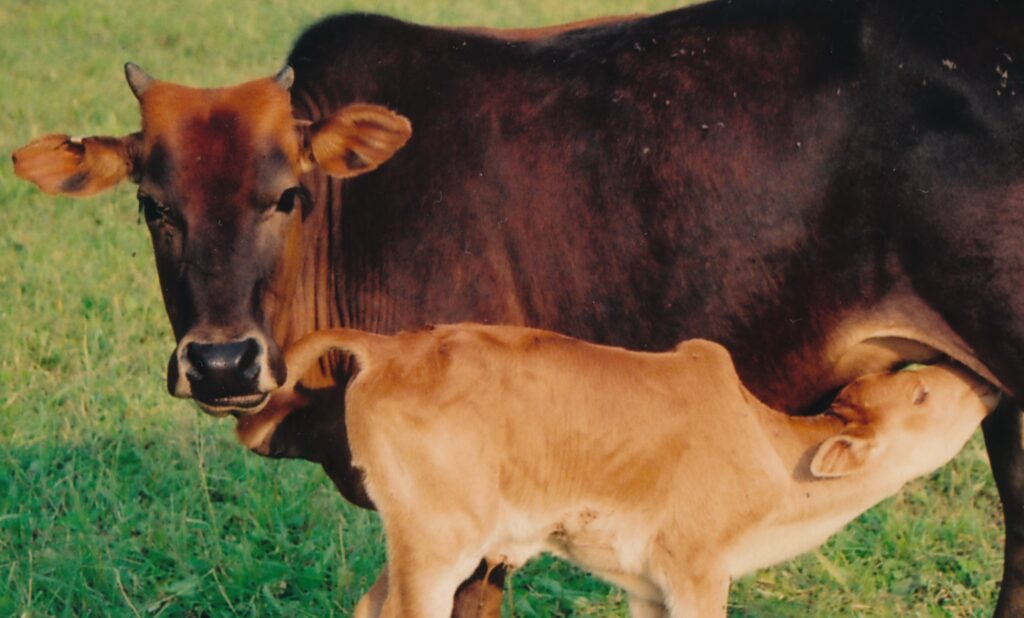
{"type": "Point", "coordinates": [659, 472]}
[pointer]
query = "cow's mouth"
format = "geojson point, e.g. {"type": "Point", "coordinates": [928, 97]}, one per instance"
{"type": "Point", "coordinates": [239, 405]}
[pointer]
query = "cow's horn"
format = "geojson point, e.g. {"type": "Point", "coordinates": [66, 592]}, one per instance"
{"type": "Point", "coordinates": [138, 80]}
{"type": "Point", "coordinates": [285, 77]}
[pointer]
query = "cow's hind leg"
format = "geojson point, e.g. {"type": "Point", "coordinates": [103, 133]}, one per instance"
{"type": "Point", "coordinates": [1003, 437]}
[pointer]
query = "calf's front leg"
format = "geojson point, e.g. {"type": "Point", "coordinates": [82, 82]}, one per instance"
{"type": "Point", "coordinates": [416, 586]}
{"type": "Point", "coordinates": [372, 603]}
{"type": "Point", "coordinates": [692, 587]}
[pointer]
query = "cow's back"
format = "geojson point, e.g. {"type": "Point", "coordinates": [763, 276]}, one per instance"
{"type": "Point", "coordinates": [634, 184]}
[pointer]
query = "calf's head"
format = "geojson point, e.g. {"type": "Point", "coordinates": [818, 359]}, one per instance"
{"type": "Point", "coordinates": [219, 183]}
{"type": "Point", "coordinates": [904, 424]}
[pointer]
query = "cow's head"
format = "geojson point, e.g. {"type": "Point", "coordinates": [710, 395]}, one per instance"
{"type": "Point", "coordinates": [218, 172]}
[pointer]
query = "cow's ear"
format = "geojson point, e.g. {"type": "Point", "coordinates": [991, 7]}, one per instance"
{"type": "Point", "coordinates": [356, 139]}
{"type": "Point", "coordinates": [843, 454]}
{"type": "Point", "coordinates": [79, 167]}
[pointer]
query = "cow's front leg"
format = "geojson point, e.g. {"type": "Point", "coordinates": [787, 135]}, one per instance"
{"type": "Point", "coordinates": [480, 595]}
{"type": "Point", "coordinates": [1005, 442]}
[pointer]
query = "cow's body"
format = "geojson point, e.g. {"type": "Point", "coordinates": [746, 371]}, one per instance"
{"type": "Point", "coordinates": [791, 182]}
{"type": "Point", "coordinates": [657, 471]}
{"type": "Point", "coordinates": [762, 178]}
{"type": "Point", "coordinates": [823, 187]}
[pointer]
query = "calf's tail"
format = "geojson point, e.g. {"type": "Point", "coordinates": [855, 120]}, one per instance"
{"type": "Point", "coordinates": [304, 352]}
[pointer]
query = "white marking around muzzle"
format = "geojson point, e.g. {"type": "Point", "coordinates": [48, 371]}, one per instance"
{"type": "Point", "coordinates": [265, 381]}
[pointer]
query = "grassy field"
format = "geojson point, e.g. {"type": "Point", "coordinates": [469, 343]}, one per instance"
{"type": "Point", "coordinates": [117, 500]}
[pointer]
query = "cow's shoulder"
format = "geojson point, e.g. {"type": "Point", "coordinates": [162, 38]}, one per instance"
{"type": "Point", "coordinates": [341, 28]}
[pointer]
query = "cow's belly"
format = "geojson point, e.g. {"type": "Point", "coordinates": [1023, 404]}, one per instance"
{"type": "Point", "coordinates": [899, 329]}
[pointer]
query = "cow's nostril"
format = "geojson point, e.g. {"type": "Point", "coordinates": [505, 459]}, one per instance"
{"type": "Point", "coordinates": [247, 363]}
{"type": "Point", "coordinates": [196, 360]}
{"type": "Point", "coordinates": [228, 369]}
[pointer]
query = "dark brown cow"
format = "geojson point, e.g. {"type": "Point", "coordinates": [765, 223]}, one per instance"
{"type": "Point", "coordinates": [827, 188]}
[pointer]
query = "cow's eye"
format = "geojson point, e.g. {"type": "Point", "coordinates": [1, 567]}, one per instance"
{"type": "Point", "coordinates": [292, 197]}
{"type": "Point", "coordinates": [151, 209]}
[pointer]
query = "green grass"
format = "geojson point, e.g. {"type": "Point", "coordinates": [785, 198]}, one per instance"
{"type": "Point", "coordinates": [117, 500]}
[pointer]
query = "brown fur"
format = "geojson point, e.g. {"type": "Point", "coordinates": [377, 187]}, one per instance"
{"type": "Point", "coordinates": [660, 472]}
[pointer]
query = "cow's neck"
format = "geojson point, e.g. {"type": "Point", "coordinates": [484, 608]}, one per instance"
{"type": "Point", "coordinates": [303, 292]}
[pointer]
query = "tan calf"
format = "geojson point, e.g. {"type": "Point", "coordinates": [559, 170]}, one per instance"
{"type": "Point", "coordinates": [659, 472]}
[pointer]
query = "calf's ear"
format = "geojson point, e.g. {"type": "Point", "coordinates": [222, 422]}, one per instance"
{"type": "Point", "coordinates": [79, 167]}
{"type": "Point", "coordinates": [842, 454]}
{"type": "Point", "coordinates": [355, 140]}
